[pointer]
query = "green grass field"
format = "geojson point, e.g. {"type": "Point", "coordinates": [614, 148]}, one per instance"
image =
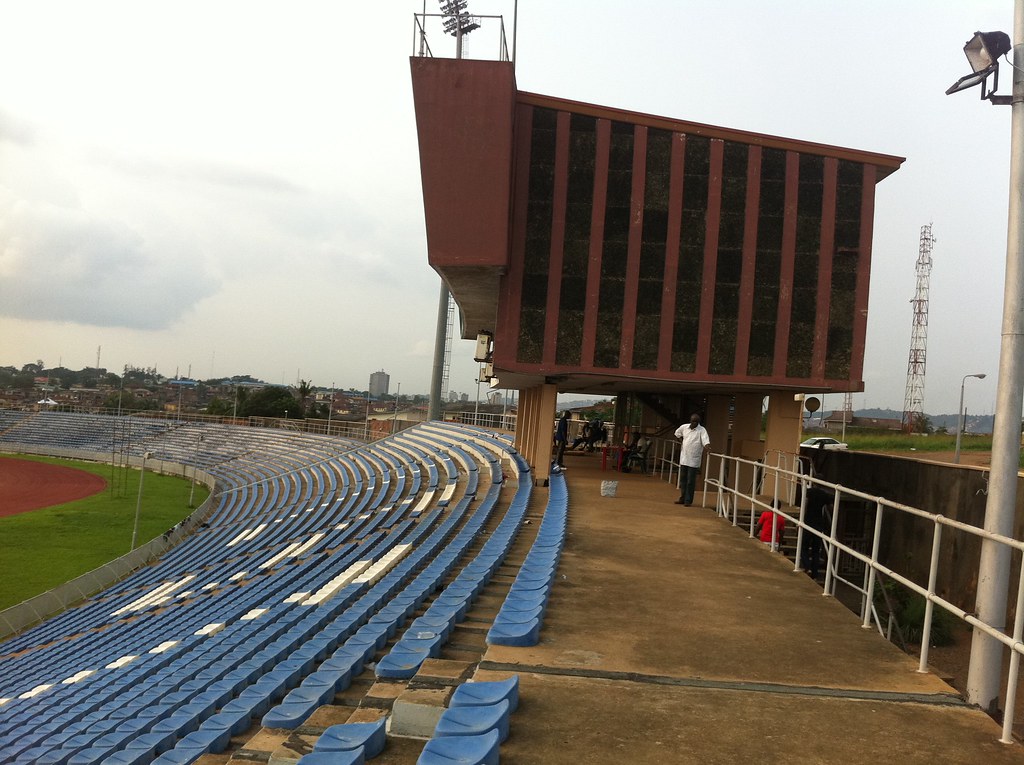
{"type": "Point", "coordinates": [935, 442]}
{"type": "Point", "coordinates": [44, 548]}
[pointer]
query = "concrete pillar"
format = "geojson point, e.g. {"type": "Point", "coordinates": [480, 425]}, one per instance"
{"type": "Point", "coordinates": [535, 427]}
{"type": "Point", "coordinates": [782, 438]}
{"type": "Point", "coordinates": [746, 433]}
{"type": "Point", "coordinates": [620, 417]}
{"type": "Point", "coordinates": [716, 422]}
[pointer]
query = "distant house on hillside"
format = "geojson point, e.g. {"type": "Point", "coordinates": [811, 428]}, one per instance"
{"type": "Point", "coordinates": [835, 422]}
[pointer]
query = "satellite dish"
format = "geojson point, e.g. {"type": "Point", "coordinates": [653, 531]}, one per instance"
{"type": "Point", "coordinates": [812, 404]}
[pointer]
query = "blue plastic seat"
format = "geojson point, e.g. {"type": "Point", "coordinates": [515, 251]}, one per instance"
{"type": "Point", "coordinates": [474, 720]}
{"type": "Point", "coordinates": [488, 692]}
{"type": "Point", "coordinates": [369, 737]}
{"type": "Point", "coordinates": [518, 634]}
{"type": "Point", "coordinates": [401, 663]}
{"type": "Point", "coordinates": [461, 750]}
{"type": "Point", "coordinates": [341, 757]}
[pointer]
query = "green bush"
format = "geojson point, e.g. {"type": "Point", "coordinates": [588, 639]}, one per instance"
{"type": "Point", "coordinates": [909, 610]}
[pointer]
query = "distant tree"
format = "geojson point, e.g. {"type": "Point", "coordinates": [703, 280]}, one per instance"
{"type": "Point", "coordinates": [272, 401]}
{"type": "Point", "coordinates": [220, 407]}
{"type": "Point", "coordinates": [129, 402]}
{"type": "Point", "coordinates": [921, 423]}
{"type": "Point", "coordinates": [305, 389]}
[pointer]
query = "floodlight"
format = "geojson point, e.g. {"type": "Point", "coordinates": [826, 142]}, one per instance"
{"type": "Point", "coordinates": [983, 52]}
{"type": "Point", "coordinates": [984, 49]}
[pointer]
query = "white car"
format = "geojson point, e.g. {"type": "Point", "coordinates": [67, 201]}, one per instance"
{"type": "Point", "coordinates": [823, 442]}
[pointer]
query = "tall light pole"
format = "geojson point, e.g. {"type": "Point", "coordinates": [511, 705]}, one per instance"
{"type": "Point", "coordinates": [195, 467]}
{"type": "Point", "coordinates": [960, 415]}
{"type": "Point", "coordinates": [138, 501]}
{"type": "Point", "coordinates": [476, 409]}
{"type": "Point", "coordinates": [394, 419]}
{"type": "Point", "coordinates": [983, 678]}
{"type": "Point", "coordinates": [330, 409]}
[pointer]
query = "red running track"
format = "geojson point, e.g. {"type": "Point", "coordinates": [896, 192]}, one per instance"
{"type": "Point", "coordinates": [26, 485]}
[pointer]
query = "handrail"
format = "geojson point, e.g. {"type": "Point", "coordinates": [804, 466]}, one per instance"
{"type": "Point", "coordinates": [728, 497]}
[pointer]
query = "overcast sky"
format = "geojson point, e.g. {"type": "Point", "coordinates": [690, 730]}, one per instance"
{"type": "Point", "coordinates": [235, 185]}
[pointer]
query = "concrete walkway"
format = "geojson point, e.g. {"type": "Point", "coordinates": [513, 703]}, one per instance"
{"type": "Point", "coordinates": [671, 637]}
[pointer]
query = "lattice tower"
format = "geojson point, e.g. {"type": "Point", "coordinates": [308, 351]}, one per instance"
{"type": "Point", "coordinates": [913, 400]}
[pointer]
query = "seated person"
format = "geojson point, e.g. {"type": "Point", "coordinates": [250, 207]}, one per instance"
{"type": "Point", "coordinates": [763, 527]}
{"type": "Point", "coordinates": [582, 437]}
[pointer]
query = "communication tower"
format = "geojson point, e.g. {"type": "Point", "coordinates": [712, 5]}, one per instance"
{"type": "Point", "coordinates": [913, 400]}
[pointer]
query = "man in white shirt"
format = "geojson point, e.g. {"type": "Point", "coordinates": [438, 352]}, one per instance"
{"type": "Point", "coordinates": [695, 443]}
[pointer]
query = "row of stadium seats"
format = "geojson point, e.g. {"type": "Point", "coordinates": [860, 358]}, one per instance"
{"type": "Point", "coordinates": [311, 562]}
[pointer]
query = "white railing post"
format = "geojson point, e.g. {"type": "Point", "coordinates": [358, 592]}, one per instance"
{"type": "Point", "coordinates": [875, 542]}
{"type": "Point", "coordinates": [800, 531]}
{"type": "Point", "coordinates": [721, 486]}
{"type": "Point", "coordinates": [1011, 688]}
{"type": "Point", "coordinates": [831, 554]}
{"type": "Point", "coordinates": [736, 493]}
{"type": "Point", "coordinates": [929, 605]}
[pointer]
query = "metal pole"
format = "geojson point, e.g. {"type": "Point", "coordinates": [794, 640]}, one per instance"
{"type": "Point", "coordinates": [440, 349]}
{"type": "Point", "coordinates": [330, 409]}
{"type": "Point", "coordinates": [959, 421]}
{"type": "Point", "coordinates": [366, 435]}
{"type": "Point", "coordinates": [515, 27]}
{"type": "Point", "coordinates": [983, 677]}
{"type": "Point", "coordinates": [138, 501]}
{"type": "Point", "coordinates": [195, 466]}
{"type": "Point", "coordinates": [394, 419]}
{"type": "Point", "coordinates": [476, 409]}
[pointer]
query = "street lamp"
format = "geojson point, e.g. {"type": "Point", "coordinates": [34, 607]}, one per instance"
{"type": "Point", "coordinates": [983, 676]}
{"type": "Point", "coordinates": [138, 501]}
{"type": "Point", "coordinates": [960, 424]}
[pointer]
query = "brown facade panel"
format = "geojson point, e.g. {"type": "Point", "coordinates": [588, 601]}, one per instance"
{"type": "Point", "coordinates": [823, 300]}
{"type": "Point", "coordinates": [506, 339]}
{"type": "Point", "coordinates": [787, 266]}
{"type": "Point", "coordinates": [745, 309]}
{"type": "Point", "coordinates": [666, 322]}
{"type": "Point", "coordinates": [603, 145]}
{"type": "Point", "coordinates": [582, 142]}
{"type": "Point", "coordinates": [643, 252]}
{"type": "Point", "coordinates": [860, 305]}
{"type": "Point", "coordinates": [633, 245]}
{"type": "Point", "coordinates": [557, 246]}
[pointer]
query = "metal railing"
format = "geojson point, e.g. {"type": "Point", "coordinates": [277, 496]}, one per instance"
{"type": "Point", "coordinates": [427, 24]}
{"type": "Point", "coordinates": [729, 497]}
{"type": "Point", "coordinates": [495, 420]}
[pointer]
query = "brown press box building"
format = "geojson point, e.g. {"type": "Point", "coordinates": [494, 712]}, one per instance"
{"type": "Point", "coordinates": [611, 252]}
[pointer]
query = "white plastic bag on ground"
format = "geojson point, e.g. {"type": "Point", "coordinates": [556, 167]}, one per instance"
{"type": "Point", "coordinates": [608, 488]}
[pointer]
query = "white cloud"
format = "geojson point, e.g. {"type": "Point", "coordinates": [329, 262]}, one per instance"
{"type": "Point", "coordinates": [61, 264]}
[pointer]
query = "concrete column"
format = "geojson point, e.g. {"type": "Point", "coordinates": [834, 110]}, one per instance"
{"type": "Point", "coordinates": [535, 427]}
{"type": "Point", "coordinates": [716, 422]}
{"type": "Point", "coordinates": [746, 433]}
{"type": "Point", "coordinates": [785, 423]}
{"type": "Point", "coordinates": [620, 416]}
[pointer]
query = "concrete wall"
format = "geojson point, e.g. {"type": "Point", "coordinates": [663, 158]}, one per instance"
{"type": "Point", "coordinates": [956, 492]}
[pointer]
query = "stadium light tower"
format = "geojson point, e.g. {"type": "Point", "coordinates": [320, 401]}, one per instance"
{"type": "Point", "coordinates": [457, 22]}
{"type": "Point", "coordinates": [138, 501]}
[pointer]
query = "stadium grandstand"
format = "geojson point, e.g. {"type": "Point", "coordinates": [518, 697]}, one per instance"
{"type": "Point", "coordinates": [420, 599]}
